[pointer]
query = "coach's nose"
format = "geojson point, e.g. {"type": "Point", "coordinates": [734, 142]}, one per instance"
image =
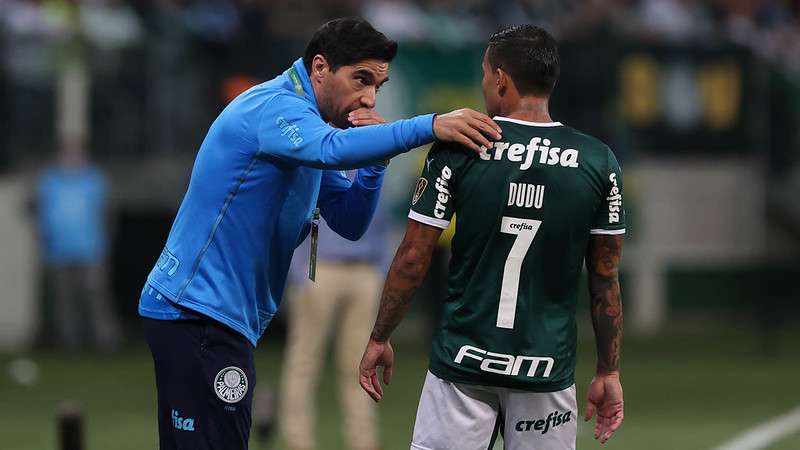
{"type": "Point", "coordinates": [368, 97]}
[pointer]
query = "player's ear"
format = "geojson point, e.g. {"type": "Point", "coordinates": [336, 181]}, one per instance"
{"type": "Point", "coordinates": [501, 81]}
{"type": "Point", "coordinates": [319, 68]}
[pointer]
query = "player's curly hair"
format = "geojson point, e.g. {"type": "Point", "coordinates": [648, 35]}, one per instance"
{"type": "Point", "coordinates": [347, 41]}
{"type": "Point", "coordinates": [529, 55]}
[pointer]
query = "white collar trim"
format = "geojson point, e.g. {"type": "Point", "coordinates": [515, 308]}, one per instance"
{"type": "Point", "coordinates": [525, 122]}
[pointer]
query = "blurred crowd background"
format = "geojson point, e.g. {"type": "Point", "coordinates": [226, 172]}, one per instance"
{"type": "Point", "coordinates": [103, 105]}
{"type": "Point", "coordinates": [155, 72]}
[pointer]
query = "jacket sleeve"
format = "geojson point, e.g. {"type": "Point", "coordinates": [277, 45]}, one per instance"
{"type": "Point", "coordinates": [348, 207]}
{"type": "Point", "coordinates": [290, 129]}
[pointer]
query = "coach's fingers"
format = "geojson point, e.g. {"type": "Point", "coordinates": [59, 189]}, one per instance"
{"type": "Point", "coordinates": [364, 122]}
{"type": "Point", "coordinates": [476, 137]}
{"type": "Point", "coordinates": [357, 113]}
{"type": "Point", "coordinates": [485, 119]}
{"type": "Point", "coordinates": [464, 140]}
{"type": "Point", "coordinates": [485, 129]}
{"type": "Point", "coordinates": [363, 117]}
{"type": "Point", "coordinates": [487, 125]}
{"type": "Point", "coordinates": [363, 113]}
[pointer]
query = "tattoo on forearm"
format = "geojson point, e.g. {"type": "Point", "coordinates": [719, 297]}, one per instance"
{"type": "Point", "coordinates": [602, 261]}
{"type": "Point", "coordinates": [393, 308]}
{"type": "Point", "coordinates": [408, 269]}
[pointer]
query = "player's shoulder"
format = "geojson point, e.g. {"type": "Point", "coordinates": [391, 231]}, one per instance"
{"type": "Point", "coordinates": [455, 156]}
{"type": "Point", "coordinates": [586, 141]}
{"type": "Point", "coordinates": [592, 150]}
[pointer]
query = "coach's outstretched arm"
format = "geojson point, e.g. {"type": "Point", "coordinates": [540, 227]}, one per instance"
{"type": "Point", "coordinates": [408, 269]}
{"type": "Point", "coordinates": [605, 391]}
{"type": "Point", "coordinates": [290, 129]}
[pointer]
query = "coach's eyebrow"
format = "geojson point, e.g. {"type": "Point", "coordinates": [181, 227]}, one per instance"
{"type": "Point", "coordinates": [370, 76]}
{"type": "Point", "coordinates": [366, 74]}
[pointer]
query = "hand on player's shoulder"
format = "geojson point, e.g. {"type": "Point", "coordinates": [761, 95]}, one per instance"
{"type": "Point", "coordinates": [466, 127]}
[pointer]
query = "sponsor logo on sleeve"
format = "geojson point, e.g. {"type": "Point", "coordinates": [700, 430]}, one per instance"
{"type": "Point", "coordinates": [444, 193]}
{"type": "Point", "coordinates": [614, 200]}
{"type": "Point", "coordinates": [291, 132]}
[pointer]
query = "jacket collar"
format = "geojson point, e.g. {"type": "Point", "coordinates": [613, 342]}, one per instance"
{"type": "Point", "coordinates": [300, 82]}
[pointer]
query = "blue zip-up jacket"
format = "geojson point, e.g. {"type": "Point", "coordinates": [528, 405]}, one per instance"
{"type": "Point", "coordinates": [255, 183]}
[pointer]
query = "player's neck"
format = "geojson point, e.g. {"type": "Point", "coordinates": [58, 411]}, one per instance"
{"type": "Point", "coordinates": [529, 109]}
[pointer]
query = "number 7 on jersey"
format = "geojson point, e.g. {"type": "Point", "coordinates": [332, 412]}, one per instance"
{"type": "Point", "coordinates": [525, 230]}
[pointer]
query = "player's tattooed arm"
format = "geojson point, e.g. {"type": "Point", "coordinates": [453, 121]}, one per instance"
{"type": "Point", "coordinates": [408, 269]}
{"type": "Point", "coordinates": [602, 262]}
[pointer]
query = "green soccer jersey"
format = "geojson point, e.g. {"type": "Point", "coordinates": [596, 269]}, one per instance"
{"type": "Point", "coordinates": [526, 207]}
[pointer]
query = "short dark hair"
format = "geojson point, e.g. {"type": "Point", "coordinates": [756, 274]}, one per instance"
{"type": "Point", "coordinates": [347, 41]}
{"type": "Point", "coordinates": [529, 54]}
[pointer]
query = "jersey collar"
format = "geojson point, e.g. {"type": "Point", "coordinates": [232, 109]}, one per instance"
{"type": "Point", "coordinates": [525, 122]}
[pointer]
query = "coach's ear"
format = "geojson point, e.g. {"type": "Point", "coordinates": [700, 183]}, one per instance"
{"type": "Point", "coordinates": [319, 68]}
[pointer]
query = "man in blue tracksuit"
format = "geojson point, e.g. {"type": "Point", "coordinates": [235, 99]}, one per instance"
{"type": "Point", "coordinates": [270, 159]}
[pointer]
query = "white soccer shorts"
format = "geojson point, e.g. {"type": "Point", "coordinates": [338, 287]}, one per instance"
{"type": "Point", "coordinates": [454, 416]}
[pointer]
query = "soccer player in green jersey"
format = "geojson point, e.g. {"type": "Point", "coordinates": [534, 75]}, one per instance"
{"type": "Point", "coordinates": [531, 209]}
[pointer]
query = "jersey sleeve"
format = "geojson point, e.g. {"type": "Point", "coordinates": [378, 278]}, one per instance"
{"type": "Point", "coordinates": [290, 129]}
{"type": "Point", "coordinates": [610, 217]}
{"type": "Point", "coordinates": [433, 202]}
